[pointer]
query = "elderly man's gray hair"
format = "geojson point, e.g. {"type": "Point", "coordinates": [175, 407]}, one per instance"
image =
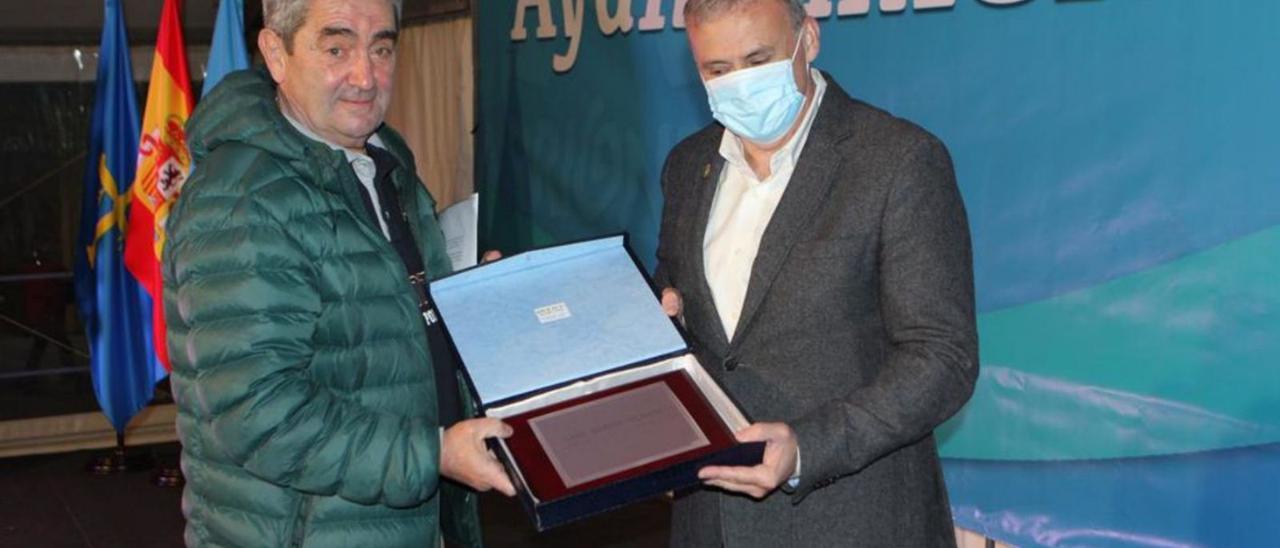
{"type": "Point", "coordinates": [701, 9]}
{"type": "Point", "coordinates": [285, 17]}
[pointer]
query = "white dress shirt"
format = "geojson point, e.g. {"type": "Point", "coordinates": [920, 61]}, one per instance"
{"type": "Point", "coordinates": [742, 208]}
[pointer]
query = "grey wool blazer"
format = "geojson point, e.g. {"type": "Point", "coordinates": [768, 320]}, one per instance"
{"type": "Point", "coordinates": [857, 330]}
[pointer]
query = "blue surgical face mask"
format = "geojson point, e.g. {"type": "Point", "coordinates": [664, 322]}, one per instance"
{"type": "Point", "coordinates": [758, 104]}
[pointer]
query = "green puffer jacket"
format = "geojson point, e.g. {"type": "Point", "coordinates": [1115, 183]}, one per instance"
{"type": "Point", "coordinates": [301, 372]}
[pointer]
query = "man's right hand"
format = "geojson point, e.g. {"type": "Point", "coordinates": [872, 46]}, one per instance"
{"type": "Point", "coordinates": [465, 459]}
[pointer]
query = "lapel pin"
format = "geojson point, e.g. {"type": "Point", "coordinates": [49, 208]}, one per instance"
{"type": "Point", "coordinates": [706, 171]}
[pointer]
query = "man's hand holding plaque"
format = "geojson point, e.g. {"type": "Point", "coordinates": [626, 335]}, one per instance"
{"type": "Point", "coordinates": [758, 481]}
{"type": "Point", "coordinates": [465, 459]}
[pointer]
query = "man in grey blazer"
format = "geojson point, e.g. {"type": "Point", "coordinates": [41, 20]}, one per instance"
{"type": "Point", "coordinates": [818, 252]}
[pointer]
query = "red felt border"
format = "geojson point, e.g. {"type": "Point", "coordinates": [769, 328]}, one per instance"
{"type": "Point", "coordinates": [541, 475]}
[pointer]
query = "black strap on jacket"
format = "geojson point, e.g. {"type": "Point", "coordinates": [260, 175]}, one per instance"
{"type": "Point", "coordinates": [442, 358]}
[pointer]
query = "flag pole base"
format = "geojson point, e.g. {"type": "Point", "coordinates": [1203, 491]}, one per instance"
{"type": "Point", "coordinates": [106, 465]}
{"type": "Point", "coordinates": [118, 461]}
{"type": "Point", "coordinates": [168, 476]}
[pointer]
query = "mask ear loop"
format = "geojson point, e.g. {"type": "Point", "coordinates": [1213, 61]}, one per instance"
{"type": "Point", "coordinates": [800, 40]}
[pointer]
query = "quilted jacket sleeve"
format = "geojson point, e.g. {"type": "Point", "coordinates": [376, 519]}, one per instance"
{"type": "Point", "coordinates": [242, 305]}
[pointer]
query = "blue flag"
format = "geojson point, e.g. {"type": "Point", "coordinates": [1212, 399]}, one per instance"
{"type": "Point", "coordinates": [228, 52]}
{"type": "Point", "coordinates": [113, 305]}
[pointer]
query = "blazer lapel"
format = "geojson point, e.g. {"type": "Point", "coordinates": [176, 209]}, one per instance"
{"type": "Point", "coordinates": [809, 185]}
{"type": "Point", "coordinates": [707, 179]}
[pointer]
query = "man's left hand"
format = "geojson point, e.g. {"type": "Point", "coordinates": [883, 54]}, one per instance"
{"type": "Point", "coordinates": [760, 480]}
{"type": "Point", "coordinates": [672, 304]}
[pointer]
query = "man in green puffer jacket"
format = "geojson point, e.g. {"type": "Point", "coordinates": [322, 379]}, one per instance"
{"type": "Point", "coordinates": [317, 403]}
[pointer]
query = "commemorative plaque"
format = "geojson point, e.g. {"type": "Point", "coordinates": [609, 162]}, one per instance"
{"type": "Point", "coordinates": [569, 346]}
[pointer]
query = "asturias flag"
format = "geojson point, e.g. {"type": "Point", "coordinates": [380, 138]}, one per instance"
{"type": "Point", "coordinates": [227, 52]}
{"type": "Point", "coordinates": [114, 306]}
{"type": "Point", "coordinates": [163, 164]}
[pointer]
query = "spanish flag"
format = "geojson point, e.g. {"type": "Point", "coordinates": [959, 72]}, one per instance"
{"type": "Point", "coordinates": [163, 164]}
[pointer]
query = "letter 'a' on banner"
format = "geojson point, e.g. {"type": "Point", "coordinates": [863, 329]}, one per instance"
{"type": "Point", "coordinates": [114, 307]}
{"type": "Point", "coordinates": [163, 165]}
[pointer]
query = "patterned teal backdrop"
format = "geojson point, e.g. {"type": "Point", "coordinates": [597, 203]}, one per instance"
{"type": "Point", "coordinates": [1121, 167]}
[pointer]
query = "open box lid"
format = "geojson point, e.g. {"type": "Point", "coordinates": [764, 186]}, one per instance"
{"type": "Point", "coordinates": [547, 317]}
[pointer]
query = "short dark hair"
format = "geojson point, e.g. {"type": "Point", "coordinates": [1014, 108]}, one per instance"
{"type": "Point", "coordinates": [285, 17]}
{"type": "Point", "coordinates": [699, 9]}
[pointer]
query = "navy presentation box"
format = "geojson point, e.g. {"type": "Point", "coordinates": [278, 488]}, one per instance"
{"type": "Point", "coordinates": [548, 328]}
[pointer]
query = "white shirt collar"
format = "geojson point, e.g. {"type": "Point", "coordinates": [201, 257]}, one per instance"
{"type": "Point", "coordinates": [351, 155]}
{"type": "Point", "coordinates": [361, 164]}
{"type": "Point", "coordinates": [789, 154]}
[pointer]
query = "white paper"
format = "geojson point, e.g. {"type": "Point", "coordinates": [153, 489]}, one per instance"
{"type": "Point", "coordinates": [460, 224]}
